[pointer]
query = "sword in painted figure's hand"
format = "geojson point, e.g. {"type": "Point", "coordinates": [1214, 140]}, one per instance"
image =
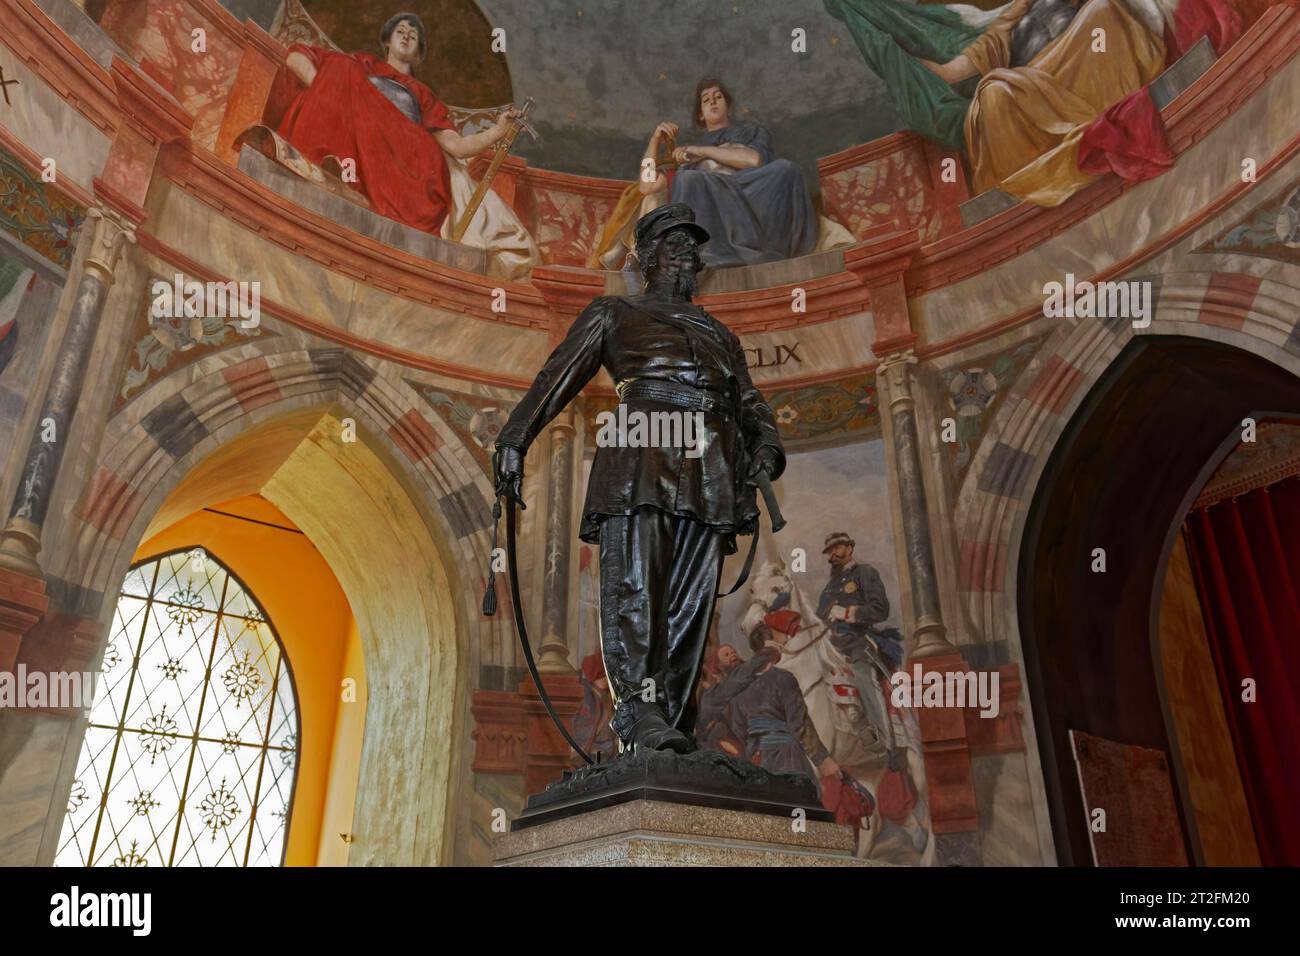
{"type": "Point", "coordinates": [518, 122]}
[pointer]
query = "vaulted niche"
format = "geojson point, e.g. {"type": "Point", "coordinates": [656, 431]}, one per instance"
{"type": "Point", "coordinates": [1121, 478]}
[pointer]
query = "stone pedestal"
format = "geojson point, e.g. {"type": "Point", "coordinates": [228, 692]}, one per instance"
{"type": "Point", "coordinates": [701, 778]}
{"type": "Point", "coordinates": [657, 833]}
{"type": "Point", "coordinates": [22, 602]}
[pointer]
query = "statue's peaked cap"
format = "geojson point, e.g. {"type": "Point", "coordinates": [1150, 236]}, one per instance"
{"type": "Point", "coordinates": [658, 221]}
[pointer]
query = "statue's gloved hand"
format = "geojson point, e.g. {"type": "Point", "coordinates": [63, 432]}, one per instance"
{"type": "Point", "coordinates": [509, 477]}
{"type": "Point", "coordinates": [764, 461]}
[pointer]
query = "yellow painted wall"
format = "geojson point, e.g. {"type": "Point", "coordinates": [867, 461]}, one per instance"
{"type": "Point", "coordinates": [303, 599]}
{"type": "Point", "coordinates": [349, 732]}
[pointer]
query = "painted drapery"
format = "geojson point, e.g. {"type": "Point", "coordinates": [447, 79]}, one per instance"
{"type": "Point", "coordinates": [1042, 131]}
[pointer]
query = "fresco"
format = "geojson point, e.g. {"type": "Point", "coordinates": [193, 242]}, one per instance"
{"type": "Point", "coordinates": [820, 693]}
{"type": "Point", "coordinates": [27, 303]}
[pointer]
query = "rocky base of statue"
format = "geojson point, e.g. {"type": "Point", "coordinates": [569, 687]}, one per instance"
{"type": "Point", "coordinates": [701, 778]}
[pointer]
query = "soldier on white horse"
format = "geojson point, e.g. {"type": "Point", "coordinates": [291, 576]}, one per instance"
{"type": "Point", "coordinates": [846, 700]}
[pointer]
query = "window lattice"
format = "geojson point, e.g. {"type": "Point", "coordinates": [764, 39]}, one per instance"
{"type": "Point", "coordinates": [192, 745]}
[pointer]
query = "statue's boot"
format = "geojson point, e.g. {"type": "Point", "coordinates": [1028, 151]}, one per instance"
{"type": "Point", "coordinates": [653, 732]}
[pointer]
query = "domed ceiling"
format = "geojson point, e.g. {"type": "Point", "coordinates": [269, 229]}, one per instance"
{"type": "Point", "coordinates": [604, 73]}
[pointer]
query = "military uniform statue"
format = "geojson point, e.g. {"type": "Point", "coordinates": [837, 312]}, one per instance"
{"type": "Point", "coordinates": [664, 513]}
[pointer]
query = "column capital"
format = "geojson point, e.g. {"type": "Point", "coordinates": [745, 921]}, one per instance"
{"type": "Point", "coordinates": [896, 364]}
{"type": "Point", "coordinates": [896, 370]}
{"type": "Point", "coordinates": [112, 231]}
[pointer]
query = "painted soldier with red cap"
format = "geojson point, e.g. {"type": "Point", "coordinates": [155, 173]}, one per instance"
{"type": "Point", "coordinates": [664, 515]}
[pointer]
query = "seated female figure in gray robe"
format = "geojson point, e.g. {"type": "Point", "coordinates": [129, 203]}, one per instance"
{"type": "Point", "coordinates": [756, 208]}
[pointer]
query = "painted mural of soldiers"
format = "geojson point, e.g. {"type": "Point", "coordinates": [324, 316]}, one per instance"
{"type": "Point", "coordinates": [769, 716]}
{"type": "Point", "coordinates": [735, 676]}
{"type": "Point", "coordinates": [854, 601]}
{"type": "Point", "coordinates": [852, 604]}
{"type": "Point", "coordinates": [591, 723]}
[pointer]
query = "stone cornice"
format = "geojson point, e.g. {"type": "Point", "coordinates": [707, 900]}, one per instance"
{"type": "Point", "coordinates": [113, 199]}
{"type": "Point", "coordinates": [238, 196]}
{"type": "Point", "coordinates": [882, 260]}
{"type": "Point", "coordinates": [257, 38]}
{"type": "Point", "coordinates": [766, 310]}
{"type": "Point", "coordinates": [147, 107]}
{"type": "Point", "coordinates": [866, 152]}
{"type": "Point", "coordinates": [332, 333]}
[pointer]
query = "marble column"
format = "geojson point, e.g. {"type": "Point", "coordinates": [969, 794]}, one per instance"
{"type": "Point", "coordinates": [20, 541]}
{"type": "Point", "coordinates": [560, 541]}
{"type": "Point", "coordinates": [931, 636]}
{"type": "Point", "coordinates": [946, 750]}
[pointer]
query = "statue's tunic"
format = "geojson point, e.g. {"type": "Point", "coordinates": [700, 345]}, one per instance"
{"type": "Point", "coordinates": [650, 337]}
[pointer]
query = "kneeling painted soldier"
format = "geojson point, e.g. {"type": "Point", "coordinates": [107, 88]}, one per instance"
{"type": "Point", "coordinates": [664, 515]}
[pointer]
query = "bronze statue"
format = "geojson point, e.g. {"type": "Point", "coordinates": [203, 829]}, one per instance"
{"type": "Point", "coordinates": [664, 512]}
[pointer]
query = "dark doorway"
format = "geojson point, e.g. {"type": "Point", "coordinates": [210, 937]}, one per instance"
{"type": "Point", "coordinates": [1122, 478]}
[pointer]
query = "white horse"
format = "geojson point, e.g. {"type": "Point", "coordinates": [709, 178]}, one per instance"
{"type": "Point", "coordinates": [858, 733]}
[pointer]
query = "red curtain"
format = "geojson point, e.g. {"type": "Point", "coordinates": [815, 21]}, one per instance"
{"type": "Point", "coordinates": [1246, 557]}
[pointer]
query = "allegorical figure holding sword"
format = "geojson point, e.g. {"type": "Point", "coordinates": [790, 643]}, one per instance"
{"type": "Point", "coordinates": [663, 515]}
{"type": "Point", "coordinates": [409, 159]}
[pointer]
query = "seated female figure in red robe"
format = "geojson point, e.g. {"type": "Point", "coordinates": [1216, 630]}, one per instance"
{"type": "Point", "coordinates": [374, 112]}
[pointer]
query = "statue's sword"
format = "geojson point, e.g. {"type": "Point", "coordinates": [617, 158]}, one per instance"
{"type": "Point", "coordinates": [769, 501]}
{"type": "Point", "coordinates": [502, 147]}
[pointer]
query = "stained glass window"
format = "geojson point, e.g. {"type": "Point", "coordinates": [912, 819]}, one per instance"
{"type": "Point", "coordinates": [192, 745]}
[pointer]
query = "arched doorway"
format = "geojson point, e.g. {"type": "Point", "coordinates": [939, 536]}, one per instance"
{"type": "Point", "coordinates": [368, 498]}
{"type": "Point", "coordinates": [1118, 484]}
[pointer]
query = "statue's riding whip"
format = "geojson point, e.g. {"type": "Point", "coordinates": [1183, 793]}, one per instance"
{"type": "Point", "coordinates": [490, 607]}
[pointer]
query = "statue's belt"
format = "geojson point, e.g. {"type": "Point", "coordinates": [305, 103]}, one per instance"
{"type": "Point", "coordinates": [674, 393]}
{"type": "Point", "coordinates": [702, 399]}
